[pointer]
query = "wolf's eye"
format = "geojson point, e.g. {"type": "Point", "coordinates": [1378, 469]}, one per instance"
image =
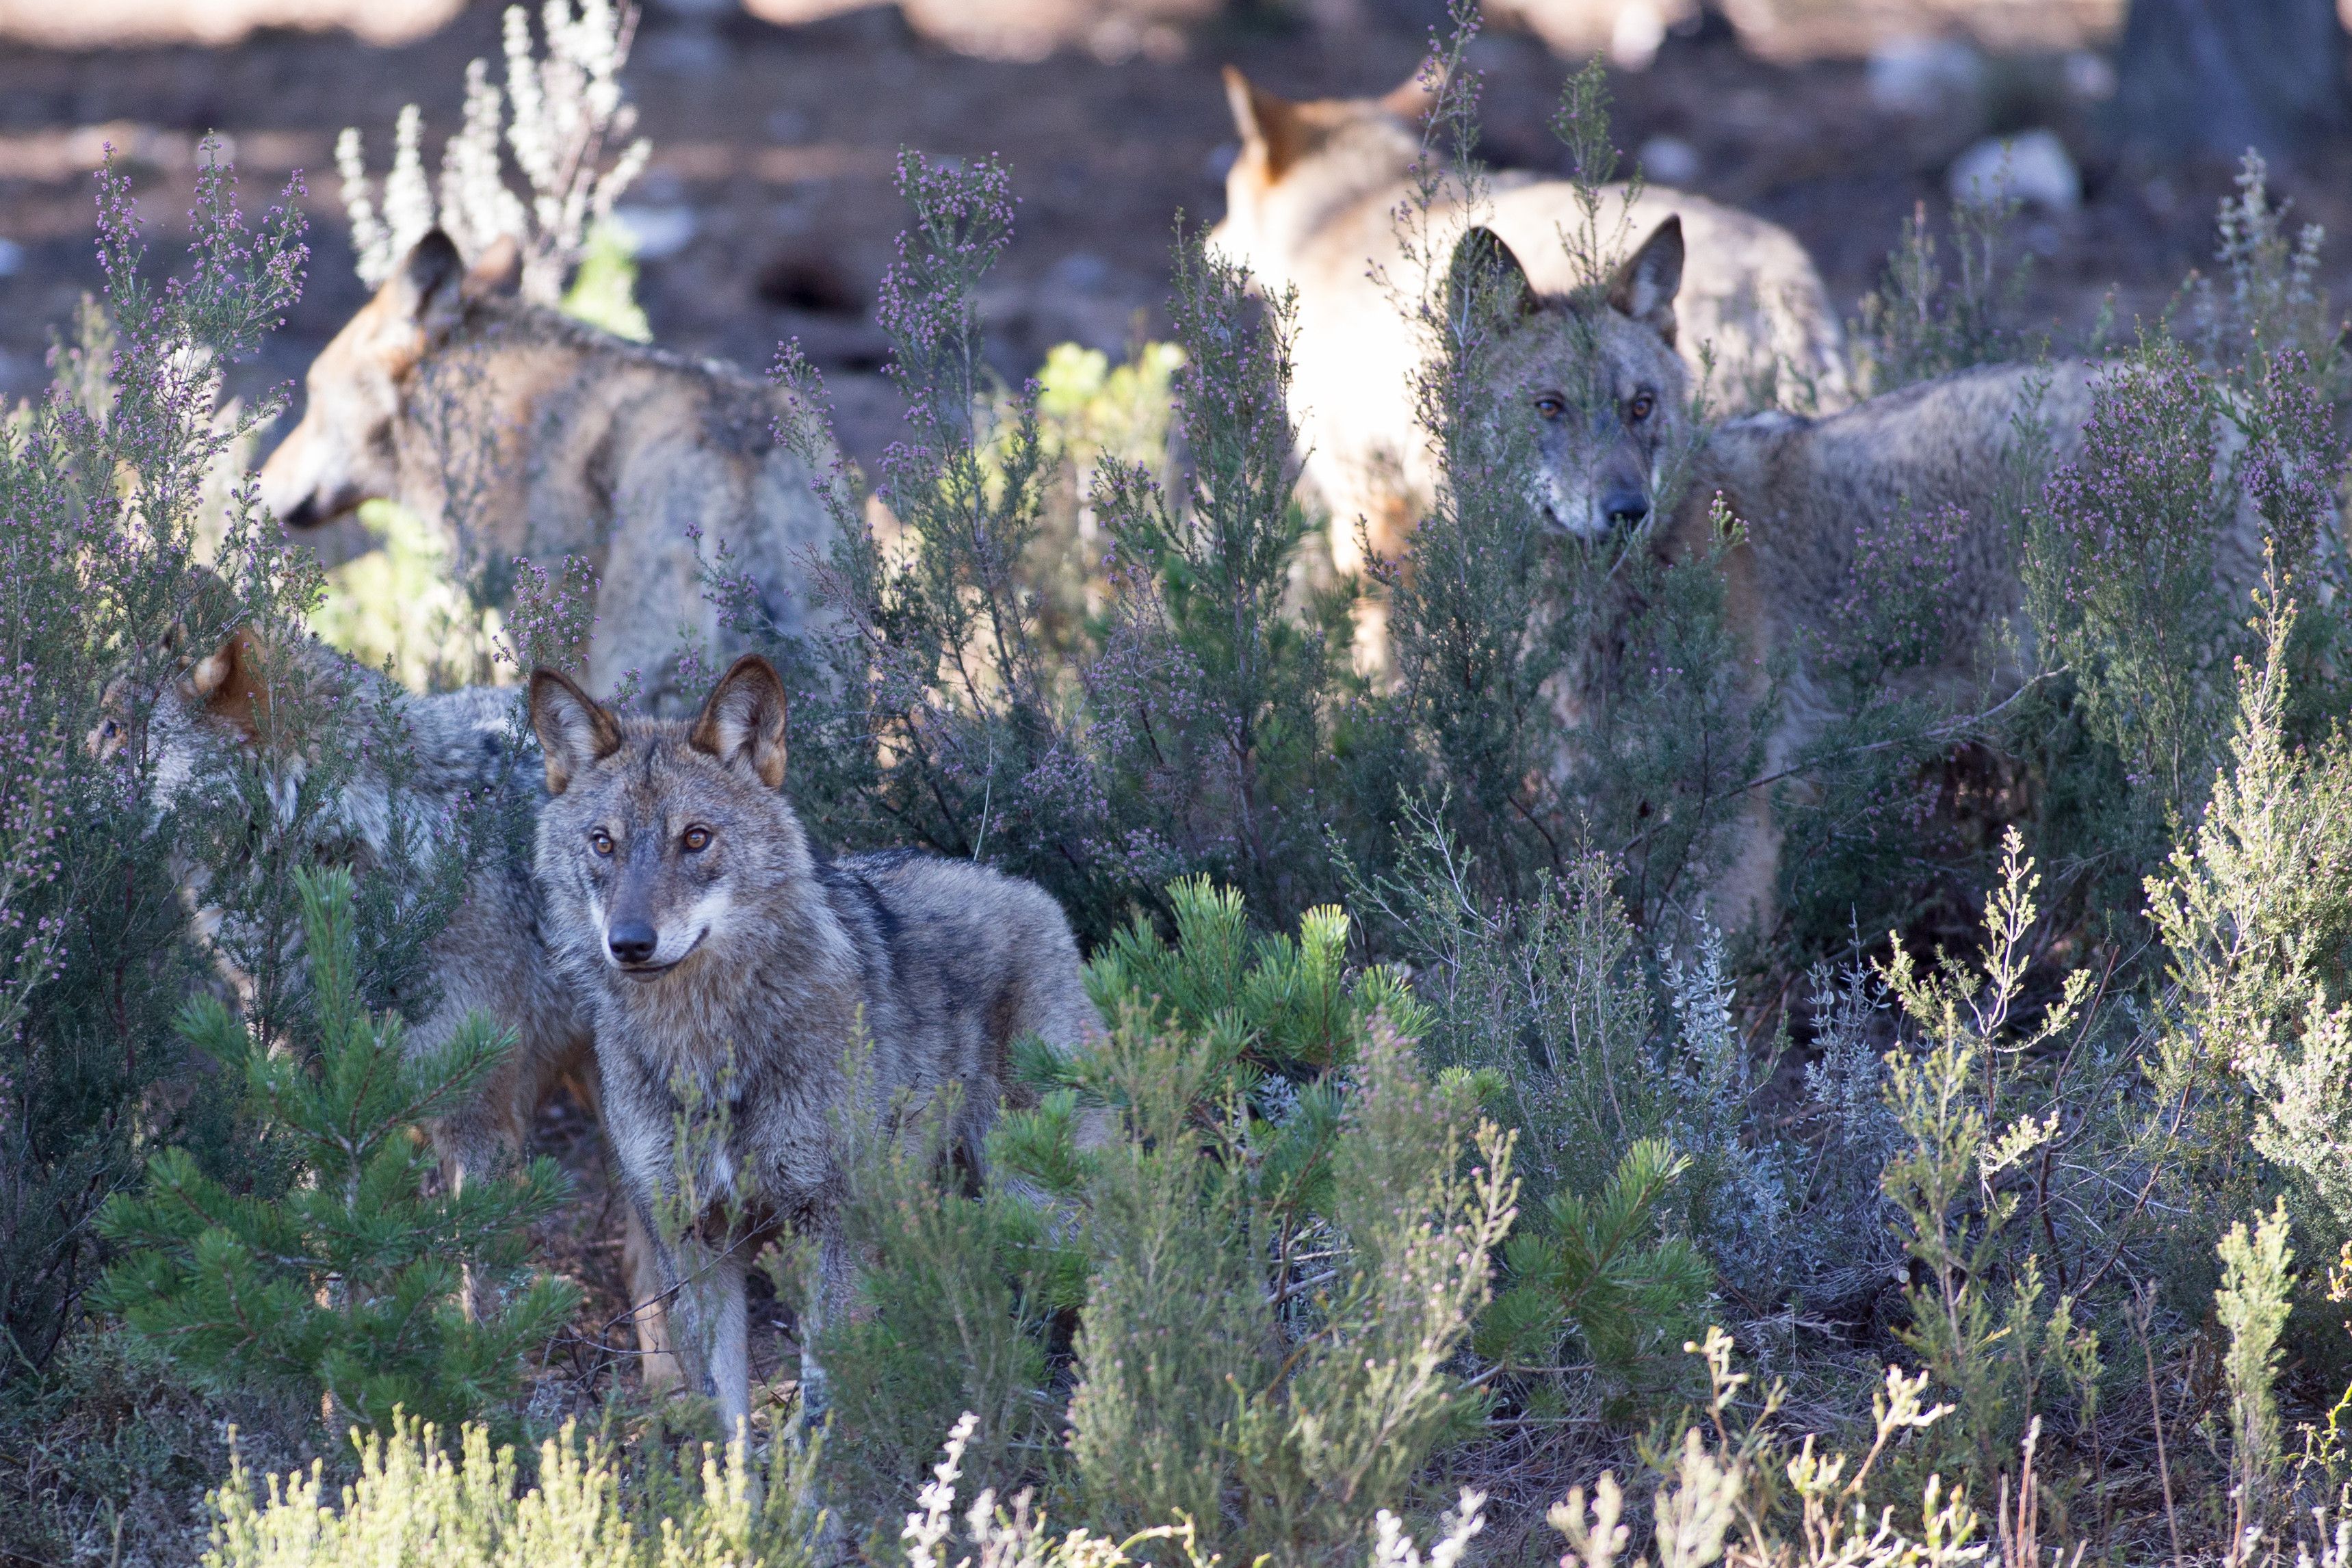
{"type": "Point", "coordinates": [601, 842]}
{"type": "Point", "coordinates": [1639, 408]}
{"type": "Point", "coordinates": [697, 840]}
{"type": "Point", "coordinates": [108, 730]}
{"type": "Point", "coordinates": [1551, 406]}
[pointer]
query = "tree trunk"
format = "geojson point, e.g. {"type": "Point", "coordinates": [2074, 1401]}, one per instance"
{"type": "Point", "coordinates": [2212, 78]}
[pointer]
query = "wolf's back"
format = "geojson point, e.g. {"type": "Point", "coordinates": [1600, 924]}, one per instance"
{"type": "Point", "coordinates": [976, 959]}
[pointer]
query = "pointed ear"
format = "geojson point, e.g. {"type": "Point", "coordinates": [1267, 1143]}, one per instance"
{"type": "Point", "coordinates": [230, 684]}
{"type": "Point", "coordinates": [575, 731]}
{"type": "Point", "coordinates": [426, 292]}
{"type": "Point", "coordinates": [744, 718]}
{"type": "Point", "coordinates": [1484, 264]}
{"type": "Point", "coordinates": [1270, 126]}
{"type": "Point", "coordinates": [497, 271]}
{"type": "Point", "coordinates": [1417, 95]}
{"type": "Point", "coordinates": [1647, 281]}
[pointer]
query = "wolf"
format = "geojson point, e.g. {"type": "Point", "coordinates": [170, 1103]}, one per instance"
{"type": "Point", "coordinates": [728, 963]}
{"type": "Point", "coordinates": [1312, 205]}
{"type": "Point", "coordinates": [525, 433]}
{"type": "Point", "coordinates": [1605, 392]}
{"type": "Point", "coordinates": [463, 752]}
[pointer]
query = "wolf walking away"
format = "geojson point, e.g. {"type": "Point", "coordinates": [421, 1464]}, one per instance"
{"type": "Point", "coordinates": [731, 968]}
{"type": "Point", "coordinates": [1312, 204]}
{"type": "Point", "coordinates": [521, 432]}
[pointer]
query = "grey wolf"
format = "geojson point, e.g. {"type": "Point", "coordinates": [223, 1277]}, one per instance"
{"type": "Point", "coordinates": [728, 963]}
{"type": "Point", "coordinates": [1608, 397]}
{"type": "Point", "coordinates": [1311, 206]}
{"type": "Point", "coordinates": [536, 435]}
{"type": "Point", "coordinates": [463, 750]}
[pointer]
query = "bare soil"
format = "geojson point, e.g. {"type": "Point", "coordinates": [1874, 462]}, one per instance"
{"type": "Point", "coordinates": [780, 142]}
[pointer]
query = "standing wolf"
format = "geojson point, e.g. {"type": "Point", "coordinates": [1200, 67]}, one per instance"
{"type": "Point", "coordinates": [1313, 203]}
{"type": "Point", "coordinates": [728, 964]}
{"type": "Point", "coordinates": [526, 433]}
{"type": "Point", "coordinates": [1607, 400]}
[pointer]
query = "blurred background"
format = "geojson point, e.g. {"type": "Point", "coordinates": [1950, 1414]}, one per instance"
{"type": "Point", "coordinates": [767, 210]}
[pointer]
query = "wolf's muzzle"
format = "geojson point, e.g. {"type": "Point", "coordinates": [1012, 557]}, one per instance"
{"type": "Point", "coordinates": [631, 941]}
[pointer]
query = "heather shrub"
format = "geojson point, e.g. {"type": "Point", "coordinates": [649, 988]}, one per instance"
{"type": "Point", "coordinates": [103, 484]}
{"type": "Point", "coordinates": [562, 120]}
{"type": "Point", "coordinates": [414, 1500]}
{"type": "Point", "coordinates": [1092, 412]}
{"type": "Point", "coordinates": [1233, 1252]}
{"type": "Point", "coordinates": [2265, 297]}
{"type": "Point", "coordinates": [1193, 733]}
{"type": "Point", "coordinates": [1922, 321]}
{"type": "Point", "coordinates": [2120, 571]}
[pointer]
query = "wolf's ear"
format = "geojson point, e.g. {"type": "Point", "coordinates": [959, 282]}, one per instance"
{"type": "Point", "coordinates": [497, 271]}
{"type": "Point", "coordinates": [428, 292]}
{"type": "Point", "coordinates": [745, 718]}
{"type": "Point", "coordinates": [1483, 264]}
{"type": "Point", "coordinates": [575, 731]}
{"type": "Point", "coordinates": [230, 683]}
{"type": "Point", "coordinates": [1647, 281]}
{"type": "Point", "coordinates": [1270, 126]}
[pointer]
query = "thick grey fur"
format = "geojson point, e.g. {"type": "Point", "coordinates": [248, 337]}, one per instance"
{"type": "Point", "coordinates": [765, 963]}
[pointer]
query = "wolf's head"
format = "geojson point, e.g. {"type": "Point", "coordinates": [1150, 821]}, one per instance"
{"type": "Point", "coordinates": [183, 710]}
{"type": "Point", "coordinates": [345, 450]}
{"type": "Point", "coordinates": [661, 833]}
{"type": "Point", "coordinates": [1596, 375]}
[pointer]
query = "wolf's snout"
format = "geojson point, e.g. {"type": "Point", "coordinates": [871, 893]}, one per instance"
{"type": "Point", "coordinates": [1624, 508]}
{"type": "Point", "coordinates": [631, 941]}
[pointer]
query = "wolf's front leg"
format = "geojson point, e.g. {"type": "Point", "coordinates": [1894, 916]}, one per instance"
{"type": "Point", "coordinates": [827, 1302]}
{"type": "Point", "coordinates": [709, 1327]}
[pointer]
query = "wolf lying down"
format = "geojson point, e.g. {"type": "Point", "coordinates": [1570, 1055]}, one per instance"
{"type": "Point", "coordinates": [687, 930]}
{"type": "Point", "coordinates": [722, 960]}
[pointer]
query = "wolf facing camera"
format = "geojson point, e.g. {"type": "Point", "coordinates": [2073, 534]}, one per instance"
{"type": "Point", "coordinates": [732, 968]}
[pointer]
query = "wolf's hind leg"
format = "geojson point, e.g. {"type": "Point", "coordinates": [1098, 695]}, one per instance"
{"type": "Point", "coordinates": [648, 1307]}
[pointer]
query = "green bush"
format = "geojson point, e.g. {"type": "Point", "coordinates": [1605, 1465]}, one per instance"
{"type": "Point", "coordinates": [1270, 1231]}
{"type": "Point", "coordinates": [346, 1282]}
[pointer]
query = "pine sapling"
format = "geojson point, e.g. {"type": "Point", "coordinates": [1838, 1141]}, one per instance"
{"type": "Point", "coordinates": [347, 1283]}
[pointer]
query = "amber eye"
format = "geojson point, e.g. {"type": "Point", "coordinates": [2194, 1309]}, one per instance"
{"type": "Point", "coordinates": [697, 840]}
{"type": "Point", "coordinates": [1640, 407]}
{"type": "Point", "coordinates": [601, 842]}
{"type": "Point", "coordinates": [1551, 406]}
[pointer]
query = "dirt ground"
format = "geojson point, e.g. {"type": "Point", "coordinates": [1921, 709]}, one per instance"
{"type": "Point", "coordinates": [775, 146]}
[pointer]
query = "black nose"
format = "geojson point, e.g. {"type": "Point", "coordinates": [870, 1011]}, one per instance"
{"type": "Point", "coordinates": [1626, 508]}
{"type": "Point", "coordinates": [303, 513]}
{"type": "Point", "coordinates": [631, 941]}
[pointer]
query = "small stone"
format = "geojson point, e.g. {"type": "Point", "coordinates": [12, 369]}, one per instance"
{"type": "Point", "coordinates": [1669, 161]}
{"type": "Point", "coordinates": [2032, 167]}
{"type": "Point", "coordinates": [655, 233]}
{"type": "Point", "coordinates": [1920, 76]}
